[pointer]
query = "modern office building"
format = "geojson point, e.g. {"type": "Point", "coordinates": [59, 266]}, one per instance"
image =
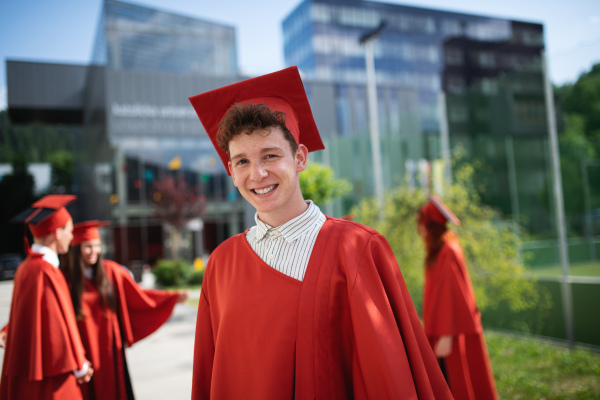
{"type": "Point", "coordinates": [138, 38]}
{"type": "Point", "coordinates": [425, 49]}
{"type": "Point", "coordinates": [145, 63]}
{"type": "Point", "coordinates": [132, 124]}
{"type": "Point", "coordinates": [486, 70]}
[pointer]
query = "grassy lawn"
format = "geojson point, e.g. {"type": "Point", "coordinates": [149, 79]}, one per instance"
{"type": "Point", "coordinates": [529, 369]}
{"type": "Point", "coordinates": [584, 269]}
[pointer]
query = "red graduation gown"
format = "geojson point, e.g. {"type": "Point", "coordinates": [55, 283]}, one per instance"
{"type": "Point", "coordinates": [449, 308]}
{"type": "Point", "coordinates": [349, 330]}
{"type": "Point", "coordinates": [139, 313]}
{"type": "Point", "coordinates": [43, 346]}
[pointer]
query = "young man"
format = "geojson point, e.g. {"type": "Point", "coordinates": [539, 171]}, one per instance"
{"type": "Point", "coordinates": [301, 305]}
{"type": "Point", "coordinates": [44, 357]}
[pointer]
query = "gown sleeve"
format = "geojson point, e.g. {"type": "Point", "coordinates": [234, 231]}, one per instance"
{"type": "Point", "coordinates": [141, 311]}
{"type": "Point", "coordinates": [449, 298]}
{"type": "Point", "coordinates": [204, 350]}
{"type": "Point", "coordinates": [393, 357]}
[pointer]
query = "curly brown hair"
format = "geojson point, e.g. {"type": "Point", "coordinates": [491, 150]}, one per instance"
{"type": "Point", "coordinates": [247, 118]}
{"type": "Point", "coordinates": [436, 236]}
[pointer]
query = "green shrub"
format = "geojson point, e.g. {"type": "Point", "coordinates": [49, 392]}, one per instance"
{"type": "Point", "coordinates": [319, 184]}
{"type": "Point", "coordinates": [196, 278]}
{"type": "Point", "coordinates": [491, 248]}
{"type": "Point", "coordinates": [164, 273]}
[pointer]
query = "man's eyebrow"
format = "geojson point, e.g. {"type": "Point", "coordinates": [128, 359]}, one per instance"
{"type": "Point", "coordinates": [265, 150]}
{"type": "Point", "coordinates": [268, 149]}
{"type": "Point", "coordinates": [241, 155]}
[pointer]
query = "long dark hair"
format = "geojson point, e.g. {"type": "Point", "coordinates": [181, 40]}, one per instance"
{"type": "Point", "coordinates": [437, 235]}
{"type": "Point", "coordinates": [73, 271]}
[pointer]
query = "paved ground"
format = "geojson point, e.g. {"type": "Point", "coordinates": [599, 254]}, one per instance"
{"type": "Point", "coordinates": [160, 365]}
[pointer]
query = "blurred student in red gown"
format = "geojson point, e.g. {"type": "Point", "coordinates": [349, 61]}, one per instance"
{"type": "Point", "coordinates": [452, 320]}
{"type": "Point", "coordinates": [112, 311]}
{"type": "Point", "coordinates": [44, 357]}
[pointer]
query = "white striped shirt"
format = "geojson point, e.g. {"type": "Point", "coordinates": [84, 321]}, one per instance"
{"type": "Point", "coordinates": [288, 247]}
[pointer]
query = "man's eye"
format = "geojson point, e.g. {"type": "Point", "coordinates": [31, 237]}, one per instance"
{"type": "Point", "coordinates": [271, 156]}
{"type": "Point", "coordinates": [241, 162]}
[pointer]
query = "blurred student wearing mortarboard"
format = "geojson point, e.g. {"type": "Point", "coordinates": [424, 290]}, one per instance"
{"type": "Point", "coordinates": [450, 315]}
{"type": "Point", "coordinates": [112, 311]}
{"type": "Point", "coordinates": [44, 356]}
{"type": "Point", "coordinates": [301, 305]}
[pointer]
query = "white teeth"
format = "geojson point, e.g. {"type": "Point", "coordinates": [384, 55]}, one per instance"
{"type": "Point", "coordinates": [265, 190]}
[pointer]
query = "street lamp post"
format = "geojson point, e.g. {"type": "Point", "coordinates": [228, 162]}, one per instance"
{"type": "Point", "coordinates": [367, 40]}
{"type": "Point", "coordinates": [559, 205]}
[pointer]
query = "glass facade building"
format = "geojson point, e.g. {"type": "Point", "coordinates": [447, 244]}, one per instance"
{"type": "Point", "coordinates": [140, 128]}
{"type": "Point", "coordinates": [486, 70]}
{"type": "Point", "coordinates": [132, 37]}
{"type": "Point", "coordinates": [425, 49]}
{"type": "Point", "coordinates": [132, 127]}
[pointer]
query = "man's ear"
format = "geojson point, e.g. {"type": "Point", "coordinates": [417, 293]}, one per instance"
{"type": "Point", "coordinates": [229, 167]}
{"type": "Point", "coordinates": [301, 157]}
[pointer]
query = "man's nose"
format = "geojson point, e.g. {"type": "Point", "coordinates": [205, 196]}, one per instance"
{"type": "Point", "coordinates": [258, 172]}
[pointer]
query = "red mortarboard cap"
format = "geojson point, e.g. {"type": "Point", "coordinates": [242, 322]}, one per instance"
{"type": "Point", "coordinates": [86, 231]}
{"type": "Point", "coordinates": [435, 210]}
{"type": "Point", "coordinates": [282, 91]}
{"type": "Point", "coordinates": [348, 217]}
{"type": "Point", "coordinates": [47, 214]}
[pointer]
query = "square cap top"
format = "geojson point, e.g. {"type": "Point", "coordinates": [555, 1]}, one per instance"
{"type": "Point", "coordinates": [46, 214]}
{"type": "Point", "coordinates": [435, 210]}
{"type": "Point", "coordinates": [280, 91]}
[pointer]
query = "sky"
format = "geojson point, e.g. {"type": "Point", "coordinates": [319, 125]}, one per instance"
{"type": "Point", "coordinates": [63, 31]}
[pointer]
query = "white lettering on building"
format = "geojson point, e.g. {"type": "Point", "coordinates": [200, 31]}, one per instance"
{"type": "Point", "coordinates": [141, 110]}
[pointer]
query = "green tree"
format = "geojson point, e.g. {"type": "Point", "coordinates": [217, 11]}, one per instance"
{"type": "Point", "coordinates": [34, 141]}
{"type": "Point", "coordinates": [61, 163]}
{"type": "Point", "coordinates": [491, 248]}
{"type": "Point", "coordinates": [575, 150]}
{"type": "Point", "coordinates": [579, 144]}
{"type": "Point", "coordinates": [318, 183]}
{"type": "Point", "coordinates": [582, 98]}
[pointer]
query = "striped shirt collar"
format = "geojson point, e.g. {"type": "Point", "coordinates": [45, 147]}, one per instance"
{"type": "Point", "coordinates": [292, 229]}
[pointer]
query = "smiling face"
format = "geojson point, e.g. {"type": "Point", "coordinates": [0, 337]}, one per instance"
{"type": "Point", "coordinates": [90, 250]}
{"type": "Point", "coordinates": [265, 170]}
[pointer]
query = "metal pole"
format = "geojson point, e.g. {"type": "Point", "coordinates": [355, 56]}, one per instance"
{"type": "Point", "coordinates": [560, 211]}
{"type": "Point", "coordinates": [445, 136]}
{"type": "Point", "coordinates": [121, 183]}
{"type": "Point", "coordinates": [144, 209]}
{"type": "Point", "coordinates": [374, 121]}
{"type": "Point", "coordinates": [512, 177]}
{"type": "Point", "coordinates": [586, 202]}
